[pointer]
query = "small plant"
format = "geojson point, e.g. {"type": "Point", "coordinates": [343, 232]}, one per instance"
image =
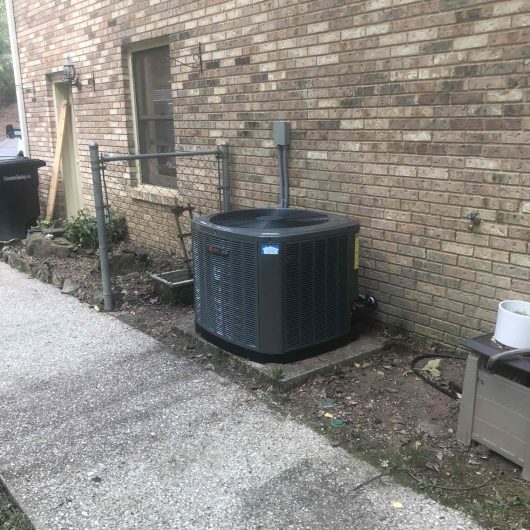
{"type": "Point", "coordinates": [115, 227]}
{"type": "Point", "coordinates": [521, 500]}
{"type": "Point", "coordinates": [336, 369]}
{"type": "Point", "coordinates": [82, 231]}
{"type": "Point", "coordinates": [44, 223]}
{"type": "Point", "coordinates": [277, 373]}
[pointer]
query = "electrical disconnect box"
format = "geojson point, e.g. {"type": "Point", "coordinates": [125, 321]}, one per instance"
{"type": "Point", "coordinates": [281, 132]}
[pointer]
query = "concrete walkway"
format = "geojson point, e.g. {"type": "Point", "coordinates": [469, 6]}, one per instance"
{"type": "Point", "coordinates": [101, 427]}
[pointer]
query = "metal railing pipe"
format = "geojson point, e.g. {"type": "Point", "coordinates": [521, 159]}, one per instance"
{"type": "Point", "coordinates": [147, 156]}
{"type": "Point", "coordinates": [100, 219]}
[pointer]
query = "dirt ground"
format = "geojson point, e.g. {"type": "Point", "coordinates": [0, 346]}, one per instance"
{"type": "Point", "coordinates": [11, 517]}
{"type": "Point", "coordinates": [8, 115]}
{"type": "Point", "coordinates": [408, 428]}
{"type": "Point", "coordinates": [379, 409]}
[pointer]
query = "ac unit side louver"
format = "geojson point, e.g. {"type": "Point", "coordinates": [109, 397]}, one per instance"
{"type": "Point", "coordinates": [274, 281]}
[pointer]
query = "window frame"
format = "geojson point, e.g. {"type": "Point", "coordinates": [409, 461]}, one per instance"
{"type": "Point", "coordinates": [162, 181]}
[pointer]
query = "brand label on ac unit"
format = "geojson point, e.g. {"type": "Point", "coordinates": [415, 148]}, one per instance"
{"type": "Point", "coordinates": [219, 251]}
{"type": "Point", "coordinates": [271, 250]}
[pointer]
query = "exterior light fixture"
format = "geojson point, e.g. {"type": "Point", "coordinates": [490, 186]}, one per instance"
{"type": "Point", "coordinates": [70, 76]}
{"type": "Point", "coordinates": [69, 73]}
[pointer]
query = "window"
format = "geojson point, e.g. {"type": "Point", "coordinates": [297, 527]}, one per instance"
{"type": "Point", "coordinates": [154, 114]}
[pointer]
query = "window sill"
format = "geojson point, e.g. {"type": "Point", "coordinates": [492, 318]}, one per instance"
{"type": "Point", "coordinates": [155, 195]}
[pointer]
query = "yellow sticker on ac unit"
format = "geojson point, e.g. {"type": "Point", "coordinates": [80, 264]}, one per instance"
{"type": "Point", "coordinates": [356, 252]}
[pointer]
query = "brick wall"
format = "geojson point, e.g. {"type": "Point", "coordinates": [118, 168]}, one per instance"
{"type": "Point", "coordinates": [407, 115]}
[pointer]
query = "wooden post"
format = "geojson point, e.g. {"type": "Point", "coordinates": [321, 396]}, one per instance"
{"type": "Point", "coordinates": [57, 160]}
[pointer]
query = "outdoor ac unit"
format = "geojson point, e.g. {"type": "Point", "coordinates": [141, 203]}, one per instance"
{"type": "Point", "coordinates": [274, 281]}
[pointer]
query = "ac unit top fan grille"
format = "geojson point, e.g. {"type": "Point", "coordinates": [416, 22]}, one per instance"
{"type": "Point", "coordinates": [270, 218]}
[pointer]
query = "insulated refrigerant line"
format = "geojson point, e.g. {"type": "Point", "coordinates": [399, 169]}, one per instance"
{"type": "Point", "coordinates": [281, 172]}
{"type": "Point", "coordinates": [281, 136]}
{"type": "Point", "coordinates": [285, 173]}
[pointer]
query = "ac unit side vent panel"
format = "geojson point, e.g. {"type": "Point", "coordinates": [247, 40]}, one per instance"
{"type": "Point", "coordinates": [226, 288]}
{"type": "Point", "coordinates": [315, 301]}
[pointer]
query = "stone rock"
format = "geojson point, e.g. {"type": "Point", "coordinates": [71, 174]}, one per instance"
{"type": "Point", "coordinates": [39, 246]}
{"type": "Point", "coordinates": [57, 279]}
{"type": "Point", "coordinates": [431, 429]}
{"type": "Point", "coordinates": [127, 262]}
{"type": "Point", "coordinates": [44, 272]}
{"type": "Point", "coordinates": [34, 268]}
{"type": "Point", "coordinates": [70, 286]}
{"type": "Point", "coordinates": [41, 271]}
{"type": "Point", "coordinates": [142, 255]}
{"type": "Point", "coordinates": [15, 261]}
{"type": "Point", "coordinates": [96, 299]}
{"type": "Point", "coordinates": [85, 251]}
{"type": "Point", "coordinates": [34, 241]}
{"type": "Point", "coordinates": [10, 243]}
{"type": "Point", "coordinates": [55, 232]}
{"type": "Point", "coordinates": [9, 247]}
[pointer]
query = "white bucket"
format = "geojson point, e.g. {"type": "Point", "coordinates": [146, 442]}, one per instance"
{"type": "Point", "coordinates": [513, 324]}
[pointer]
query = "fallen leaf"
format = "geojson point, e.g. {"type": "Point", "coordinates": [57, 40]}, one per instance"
{"type": "Point", "coordinates": [327, 415]}
{"type": "Point", "coordinates": [326, 403]}
{"type": "Point", "coordinates": [473, 461]}
{"type": "Point", "coordinates": [432, 467]}
{"type": "Point", "coordinates": [432, 368]}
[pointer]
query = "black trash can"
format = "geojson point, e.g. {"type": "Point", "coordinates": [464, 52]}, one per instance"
{"type": "Point", "coordinates": [19, 196]}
